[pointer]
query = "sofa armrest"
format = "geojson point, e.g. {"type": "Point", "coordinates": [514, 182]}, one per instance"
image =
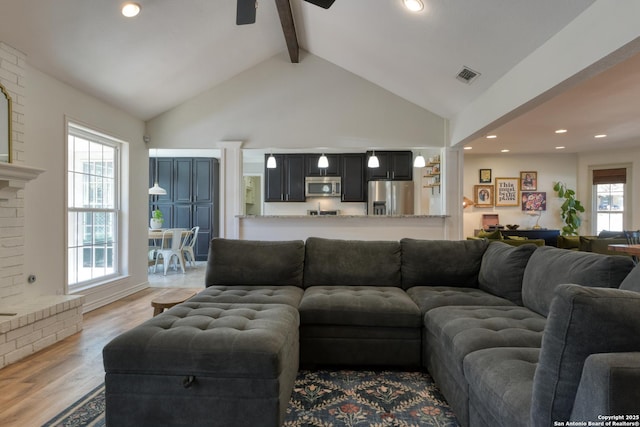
{"type": "Point", "coordinates": [582, 322]}
{"type": "Point", "coordinates": [608, 386]}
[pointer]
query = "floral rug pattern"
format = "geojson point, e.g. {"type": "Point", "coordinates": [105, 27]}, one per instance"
{"type": "Point", "coordinates": [327, 398]}
{"type": "Point", "coordinates": [367, 398]}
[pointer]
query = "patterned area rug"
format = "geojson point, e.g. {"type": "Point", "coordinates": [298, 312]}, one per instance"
{"type": "Point", "coordinates": [327, 398]}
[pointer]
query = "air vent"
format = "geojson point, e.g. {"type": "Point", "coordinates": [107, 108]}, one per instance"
{"type": "Point", "coordinates": [467, 75]}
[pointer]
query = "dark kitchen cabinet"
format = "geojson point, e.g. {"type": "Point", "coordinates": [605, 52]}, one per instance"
{"type": "Point", "coordinates": [312, 169]}
{"type": "Point", "coordinates": [354, 188]}
{"type": "Point", "coordinates": [191, 199]}
{"type": "Point", "coordinates": [285, 182]}
{"type": "Point", "coordinates": [394, 165]}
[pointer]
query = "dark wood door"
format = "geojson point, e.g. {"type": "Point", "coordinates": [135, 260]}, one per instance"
{"type": "Point", "coordinates": [192, 194]}
{"type": "Point", "coordinates": [353, 181]}
{"type": "Point", "coordinates": [294, 178]}
{"type": "Point", "coordinates": [274, 180]}
{"type": "Point", "coordinates": [401, 165]}
{"type": "Point", "coordinates": [312, 168]}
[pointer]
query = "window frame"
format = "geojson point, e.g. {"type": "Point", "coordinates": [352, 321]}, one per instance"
{"type": "Point", "coordinates": [627, 196]}
{"type": "Point", "coordinates": [77, 130]}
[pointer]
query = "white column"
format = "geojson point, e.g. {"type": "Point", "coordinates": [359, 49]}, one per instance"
{"type": "Point", "coordinates": [230, 188]}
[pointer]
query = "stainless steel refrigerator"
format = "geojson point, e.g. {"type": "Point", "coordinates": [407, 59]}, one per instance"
{"type": "Point", "coordinates": [390, 198]}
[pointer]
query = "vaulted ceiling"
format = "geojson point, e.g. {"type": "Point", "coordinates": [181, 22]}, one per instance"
{"type": "Point", "coordinates": [176, 49]}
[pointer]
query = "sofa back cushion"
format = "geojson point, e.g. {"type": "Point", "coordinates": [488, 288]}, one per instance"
{"type": "Point", "coordinates": [582, 321]}
{"type": "Point", "coordinates": [548, 267]}
{"type": "Point", "coordinates": [502, 270]}
{"type": "Point", "coordinates": [255, 263]}
{"type": "Point", "coordinates": [441, 262]}
{"type": "Point", "coordinates": [333, 262]}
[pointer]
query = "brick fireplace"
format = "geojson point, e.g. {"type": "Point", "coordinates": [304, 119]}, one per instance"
{"type": "Point", "coordinates": [28, 324]}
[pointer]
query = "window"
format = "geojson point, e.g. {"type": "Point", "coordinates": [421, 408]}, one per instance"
{"type": "Point", "coordinates": [609, 187]}
{"type": "Point", "coordinates": [92, 207]}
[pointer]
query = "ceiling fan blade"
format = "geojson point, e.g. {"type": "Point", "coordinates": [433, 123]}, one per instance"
{"type": "Point", "coordinates": [246, 12]}
{"type": "Point", "coordinates": [325, 4]}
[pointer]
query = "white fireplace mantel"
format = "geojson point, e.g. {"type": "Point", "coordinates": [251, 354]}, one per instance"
{"type": "Point", "coordinates": [14, 177]}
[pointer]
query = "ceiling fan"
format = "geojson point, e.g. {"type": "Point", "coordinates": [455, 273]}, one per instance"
{"type": "Point", "coordinates": [246, 9]}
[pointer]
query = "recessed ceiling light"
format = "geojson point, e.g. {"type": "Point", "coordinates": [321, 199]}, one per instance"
{"type": "Point", "coordinates": [468, 148]}
{"type": "Point", "coordinates": [130, 9]}
{"type": "Point", "coordinates": [413, 5]}
{"type": "Point", "coordinates": [504, 151]}
{"type": "Point", "coordinates": [561, 131]}
{"type": "Point", "coordinates": [560, 147]}
{"type": "Point", "coordinates": [491, 136]}
{"type": "Point", "coordinates": [602, 135]}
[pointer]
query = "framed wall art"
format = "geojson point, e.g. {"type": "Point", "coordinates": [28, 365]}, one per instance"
{"type": "Point", "coordinates": [483, 196]}
{"type": "Point", "coordinates": [528, 181]}
{"type": "Point", "coordinates": [534, 201]}
{"type": "Point", "coordinates": [507, 191]}
{"type": "Point", "coordinates": [485, 176]}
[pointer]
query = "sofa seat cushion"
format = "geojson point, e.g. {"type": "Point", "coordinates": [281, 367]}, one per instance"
{"type": "Point", "coordinates": [237, 294]}
{"type": "Point", "coordinates": [441, 262]}
{"type": "Point", "coordinates": [334, 262]}
{"type": "Point", "coordinates": [549, 267]}
{"type": "Point", "coordinates": [430, 297]}
{"type": "Point", "coordinates": [192, 338]}
{"type": "Point", "coordinates": [359, 306]}
{"type": "Point", "coordinates": [256, 263]}
{"type": "Point", "coordinates": [501, 385]}
{"type": "Point", "coordinates": [463, 330]}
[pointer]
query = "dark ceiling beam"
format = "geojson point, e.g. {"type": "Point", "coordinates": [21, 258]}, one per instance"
{"type": "Point", "coordinates": [289, 29]}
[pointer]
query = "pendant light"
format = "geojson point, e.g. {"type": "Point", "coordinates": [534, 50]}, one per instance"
{"type": "Point", "coordinates": [156, 190]}
{"type": "Point", "coordinates": [271, 162]}
{"type": "Point", "coordinates": [419, 161]}
{"type": "Point", "coordinates": [373, 160]}
{"type": "Point", "coordinates": [323, 162]}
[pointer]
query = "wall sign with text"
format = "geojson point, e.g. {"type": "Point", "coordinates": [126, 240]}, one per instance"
{"type": "Point", "coordinates": [508, 191]}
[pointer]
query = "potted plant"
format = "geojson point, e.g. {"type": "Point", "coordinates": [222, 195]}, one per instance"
{"type": "Point", "coordinates": [156, 219]}
{"type": "Point", "coordinates": [570, 209]}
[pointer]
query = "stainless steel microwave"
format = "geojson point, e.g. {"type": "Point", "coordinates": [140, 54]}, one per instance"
{"type": "Point", "coordinates": [322, 186]}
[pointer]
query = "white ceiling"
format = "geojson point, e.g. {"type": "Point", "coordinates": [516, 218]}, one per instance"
{"type": "Point", "coordinates": [175, 50]}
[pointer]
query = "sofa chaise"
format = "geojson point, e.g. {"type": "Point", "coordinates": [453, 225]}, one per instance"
{"type": "Point", "coordinates": [512, 335]}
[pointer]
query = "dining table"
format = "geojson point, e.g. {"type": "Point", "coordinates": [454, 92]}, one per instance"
{"type": "Point", "coordinates": [633, 250]}
{"type": "Point", "coordinates": [156, 234]}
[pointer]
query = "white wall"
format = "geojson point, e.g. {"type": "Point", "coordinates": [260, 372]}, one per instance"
{"type": "Point", "coordinates": [605, 33]}
{"type": "Point", "coordinates": [314, 103]}
{"type": "Point", "coordinates": [48, 102]}
{"type": "Point", "coordinates": [550, 168]}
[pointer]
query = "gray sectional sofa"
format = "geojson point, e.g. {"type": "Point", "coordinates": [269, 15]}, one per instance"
{"type": "Point", "coordinates": [513, 336]}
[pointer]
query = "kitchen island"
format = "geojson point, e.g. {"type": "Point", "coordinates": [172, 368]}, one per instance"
{"type": "Point", "coordinates": [350, 227]}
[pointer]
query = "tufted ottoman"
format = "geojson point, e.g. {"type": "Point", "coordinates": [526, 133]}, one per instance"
{"type": "Point", "coordinates": [359, 325]}
{"type": "Point", "coordinates": [204, 364]}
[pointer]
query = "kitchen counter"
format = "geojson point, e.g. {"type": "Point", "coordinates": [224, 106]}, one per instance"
{"type": "Point", "coordinates": [353, 227]}
{"type": "Point", "coordinates": [339, 216]}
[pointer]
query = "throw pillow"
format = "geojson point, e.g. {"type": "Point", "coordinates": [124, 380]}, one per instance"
{"type": "Point", "coordinates": [491, 235]}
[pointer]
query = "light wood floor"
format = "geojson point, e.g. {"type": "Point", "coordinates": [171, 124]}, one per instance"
{"type": "Point", "coordinates": [35, 389]}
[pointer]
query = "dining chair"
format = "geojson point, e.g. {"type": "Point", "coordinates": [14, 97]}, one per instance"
{"type": "Point", "coordinates": [633, 238]}
{"type": "Point", "coordinates": [171, 247]}
{"type": "Point", "coordinates": [189, 244]}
